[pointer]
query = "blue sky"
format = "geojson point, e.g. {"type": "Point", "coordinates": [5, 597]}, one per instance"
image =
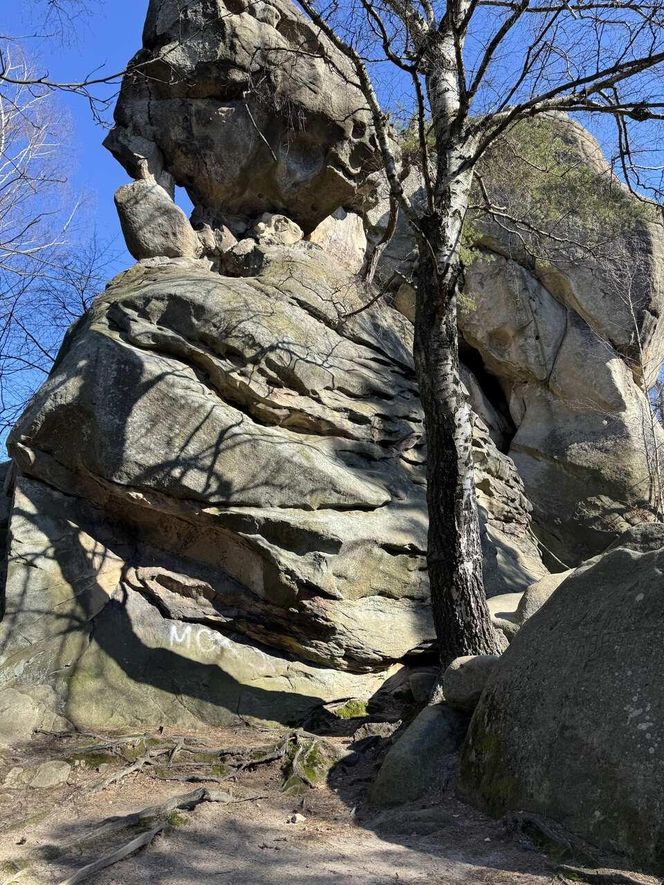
{"type": "Point", "coordinates": [109, 36]}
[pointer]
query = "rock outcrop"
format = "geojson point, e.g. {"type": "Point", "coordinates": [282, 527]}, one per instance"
{"type": "Point", "coordinates": [571, 725]}
{"type": "Point", "coordinates": [220, 501]}
{"type": "Point", "coordinates": [250, 108]}
{"type": "Point", "coordinates": [153, 226]}
{"type": "Point", "coordinates": [583, 426]}
{"type": "Point", "coordinates": [567, 337]}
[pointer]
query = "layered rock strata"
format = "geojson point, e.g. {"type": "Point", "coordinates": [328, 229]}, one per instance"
{"type": "Point", "coordinates": [241, 457]}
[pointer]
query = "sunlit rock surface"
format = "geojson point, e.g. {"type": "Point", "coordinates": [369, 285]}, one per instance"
{"type": "Point", "coordinates": [231, 456]}
{"type": "Point", "coordinates": [250, 108]}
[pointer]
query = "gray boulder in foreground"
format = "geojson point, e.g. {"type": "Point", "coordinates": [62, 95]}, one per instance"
{"type": "Point", "coordinates": [572, 725]}
{"type": "Point", "coordinates": [415, 764]}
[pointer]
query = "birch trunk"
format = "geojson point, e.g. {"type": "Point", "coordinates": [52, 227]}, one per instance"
{"type": "Point", "coordinates": [454, 559]}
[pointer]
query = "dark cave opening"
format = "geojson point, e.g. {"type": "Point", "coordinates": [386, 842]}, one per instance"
{"type": "Point", "coordinates": [492, 390]}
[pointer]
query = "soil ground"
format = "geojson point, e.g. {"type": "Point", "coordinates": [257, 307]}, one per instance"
{"type": "Point", "coordinates": [248, 838]}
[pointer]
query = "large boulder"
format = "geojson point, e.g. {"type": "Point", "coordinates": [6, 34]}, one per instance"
{"type": "Point", "coordinates": [537, 594]}
{"type": "Point", "coordinates": [418, 762]}
{"type": "Point", "coordinates": [249, 107]}
{"type": "Point", "coordinates": [466, 678]}
{"type": "Point", "coordinates": [571, 726]}
{"type": "Point", "coordinates": [551, 174]}
{"type": "Point", "coordinates": [220, 502]}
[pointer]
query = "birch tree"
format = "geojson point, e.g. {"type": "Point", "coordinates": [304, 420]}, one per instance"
{"type": "Point", "coordinates": [475, 69]}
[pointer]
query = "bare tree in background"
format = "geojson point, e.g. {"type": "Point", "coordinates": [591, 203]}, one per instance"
{"type": "Point", "coordinates": [476, 69]}
{"type": "Point", "coordinates": [49, 268]}
{"type": "Point", "coordinates": [656, 396]}
{"type": "Point", "coordinates": [59, 20]}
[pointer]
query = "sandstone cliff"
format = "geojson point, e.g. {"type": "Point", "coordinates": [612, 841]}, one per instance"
{"type": "Point", "coordinates": [217, 498]}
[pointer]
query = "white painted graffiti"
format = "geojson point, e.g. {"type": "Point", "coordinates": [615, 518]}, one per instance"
{"type": "Point", "coordinates": [201, 638]}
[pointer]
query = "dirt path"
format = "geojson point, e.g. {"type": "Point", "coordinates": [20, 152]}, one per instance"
{"type": "Point", "coordinates": [257, 847]}
{"type": "Point", "coordinates": [246, 838]}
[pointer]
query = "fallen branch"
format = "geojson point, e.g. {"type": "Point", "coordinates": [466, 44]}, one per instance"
{"type": "Point", "coordinates": [115, 856]}
{"type": "Point", "coordinates": [140, 763]}
{"type": "Point", "coordinates": [603, 876]}
{"type": "Point", "coordinates": [187, 802]}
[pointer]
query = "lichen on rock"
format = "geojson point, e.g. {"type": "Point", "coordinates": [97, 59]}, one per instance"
{"type": "Point", "coordinates": [570, 725]}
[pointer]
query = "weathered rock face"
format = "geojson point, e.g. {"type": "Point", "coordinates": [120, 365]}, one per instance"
{"type": "Point", "coordinates": [559, 336]}
{"type": "Point", "coordinates": [102, 632]}
{"type": "Point", "coordinates": [571, 725]}
{"type": "Point", "coordinates": [153, 226]}
{"type": "Point", "coordinates": [511, 552]}
{"type": "Point", "coordinates": [342, 237]}
{"type": "Point", "coordinates": [276, 230]}
{"type": "Point", "coordinates": [642, 538]}
{"type": "Point", "coordinates": [616, 291]}
{"type": "Point", "coordinates": [220, 504]}
{"type": "Point", "coordinates": [583, 426]}
{"type": "Point", "coordinates": [265, 99]}
{"type": "Point", "coordinates": [617, 287]}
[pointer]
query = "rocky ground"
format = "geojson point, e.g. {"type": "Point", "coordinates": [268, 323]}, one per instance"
{"type": "Point", "coordinates": [70, 800]}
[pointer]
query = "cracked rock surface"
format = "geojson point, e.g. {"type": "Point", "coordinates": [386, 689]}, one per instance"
{"type": "Point", "coordinates": [568, 338]}
{"type": "Point", "coordinates": [220, 502]}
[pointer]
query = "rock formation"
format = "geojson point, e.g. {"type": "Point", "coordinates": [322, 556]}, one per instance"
{"type": "Point", "coordinates": [231, 456]}
{"type": "Point", "coordinates": [266, 100]}
{"type": "Point", "coordinates": [566, 338]}
{"type": "Point", "coordinates": [153, 226]}
{"type": "Point", "coordinates": [217, 498]}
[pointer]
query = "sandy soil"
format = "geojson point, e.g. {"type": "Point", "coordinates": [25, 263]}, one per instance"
{"type": "Point", "coordinates": [249, 838]}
